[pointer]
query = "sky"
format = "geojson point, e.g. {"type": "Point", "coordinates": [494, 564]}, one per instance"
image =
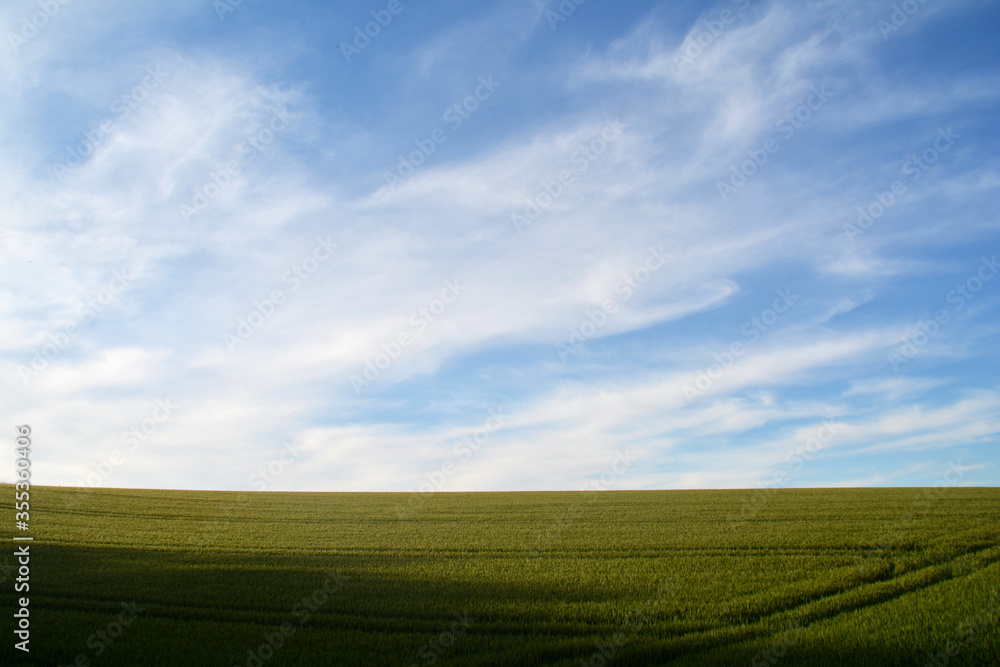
{"type": "Point", "coordinates": [425, 246]}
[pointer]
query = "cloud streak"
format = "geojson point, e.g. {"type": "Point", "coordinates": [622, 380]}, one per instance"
{"type": "Point", "coordinates": [207, 218]}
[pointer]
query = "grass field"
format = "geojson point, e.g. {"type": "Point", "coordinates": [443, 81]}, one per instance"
{"type": "Point", "coordinates": [788, 577]}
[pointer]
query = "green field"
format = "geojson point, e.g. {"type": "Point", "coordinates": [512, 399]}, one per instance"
{"type": "Point", "coordinates": [755, 577]}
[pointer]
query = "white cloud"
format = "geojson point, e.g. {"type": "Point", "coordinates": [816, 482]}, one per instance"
{"type": "Point", "coordinates": [653, 186]}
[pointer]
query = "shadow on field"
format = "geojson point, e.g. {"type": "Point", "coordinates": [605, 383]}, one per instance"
{"type": "Point", "coordinates": [115, 606]}
{"type": "Point", "coordinates": [612, 578]}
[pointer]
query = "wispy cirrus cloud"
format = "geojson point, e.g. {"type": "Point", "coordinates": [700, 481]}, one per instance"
{"type": "Point", "coordinates": [214, 190]}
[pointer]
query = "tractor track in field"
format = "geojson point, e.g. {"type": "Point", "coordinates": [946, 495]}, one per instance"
{"type": "Point", "coordinates": [761, 628]}
{"type": "Point", "coordinates": [838, 603]}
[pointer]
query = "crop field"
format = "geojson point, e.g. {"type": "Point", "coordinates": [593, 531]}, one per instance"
{"type": "Point", "coordinates": [755, 577]}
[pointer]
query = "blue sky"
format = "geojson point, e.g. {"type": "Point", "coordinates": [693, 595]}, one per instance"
{"type": "Point", "coordinates": [501, 245]}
